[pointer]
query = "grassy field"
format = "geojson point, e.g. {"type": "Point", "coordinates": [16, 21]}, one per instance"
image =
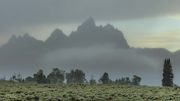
{"type": "Point", "coordinates": [36, 92]}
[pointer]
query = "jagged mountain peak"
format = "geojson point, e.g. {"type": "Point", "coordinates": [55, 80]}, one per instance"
{"type": "Point", "coordinates": [21, 44]}
{"type": "Point", "coordinates": [88, 24]}
{"type": "Point", "coordinates": [21, 38]}
{"type": "Point", "coordinates": [56, 40]}
{"type": "Point", "coordinates": [12, 38]}
{"type": "Point", "coordinates": [109, 27]}
{"type": "Point", "coordinates": [57, 34]}
{"type": "Point", "coordinates": [89, 34]}
{"type": "Point", "coordinates": [90, 20]}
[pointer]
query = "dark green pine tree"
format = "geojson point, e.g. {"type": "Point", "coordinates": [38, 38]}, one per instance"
{"type": "Point", "coordinates": [105, 78]}
{"type": "Point", "coordinates": [167, 74]}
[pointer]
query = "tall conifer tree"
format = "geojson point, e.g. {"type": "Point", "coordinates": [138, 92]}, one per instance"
{"type": "Point", "coordinates": [167, 74]}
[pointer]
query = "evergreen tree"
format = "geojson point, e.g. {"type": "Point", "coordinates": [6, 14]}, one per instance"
{"type": "Point", "coordinates": [56, 76]}
{"type": "Point", "coordinates": [167, 74]}
{"type": "Point", "coordinates": [105, 78]}
{"type": "Point", "coordinates": [76, 76]}
{"type": "Point", "coordinates": [136, 80]}
{"type": "Point", "coordinates": [40, 77]}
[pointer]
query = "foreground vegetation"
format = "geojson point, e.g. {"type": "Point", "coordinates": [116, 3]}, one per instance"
{"type": "Point", "coordinates": [59, 85]}
{"type": "Point", "coordinates": [11, 91]}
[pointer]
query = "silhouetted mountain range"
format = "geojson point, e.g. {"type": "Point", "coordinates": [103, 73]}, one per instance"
{"type": "Point", "coordinates": [92, 48]}
{"type": "Point", "coordinates": [20, 50]}
{"type": "Point", "coordinates": [27, 48]}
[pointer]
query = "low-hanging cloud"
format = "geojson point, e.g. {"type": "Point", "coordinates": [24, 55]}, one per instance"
{"type": "Point", "coordinates": [98, 59]}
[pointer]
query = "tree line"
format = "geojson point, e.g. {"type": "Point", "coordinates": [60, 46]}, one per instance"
{"type": "Point", "coordinates": [76, 76]}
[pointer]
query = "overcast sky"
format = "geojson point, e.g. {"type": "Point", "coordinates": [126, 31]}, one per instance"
{"type": "Point", "coordinates": [145, 23]}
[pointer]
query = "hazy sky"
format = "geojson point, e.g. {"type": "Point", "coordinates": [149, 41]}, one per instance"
{"type": "Point", "coordinates": [145, 23]}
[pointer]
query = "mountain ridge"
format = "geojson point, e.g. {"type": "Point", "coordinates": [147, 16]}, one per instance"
{"type": "Point", "coordinates": [86, 35]}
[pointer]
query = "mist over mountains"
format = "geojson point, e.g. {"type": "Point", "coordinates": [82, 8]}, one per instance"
{"type": "Point", "coordinates": [94, 49]}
